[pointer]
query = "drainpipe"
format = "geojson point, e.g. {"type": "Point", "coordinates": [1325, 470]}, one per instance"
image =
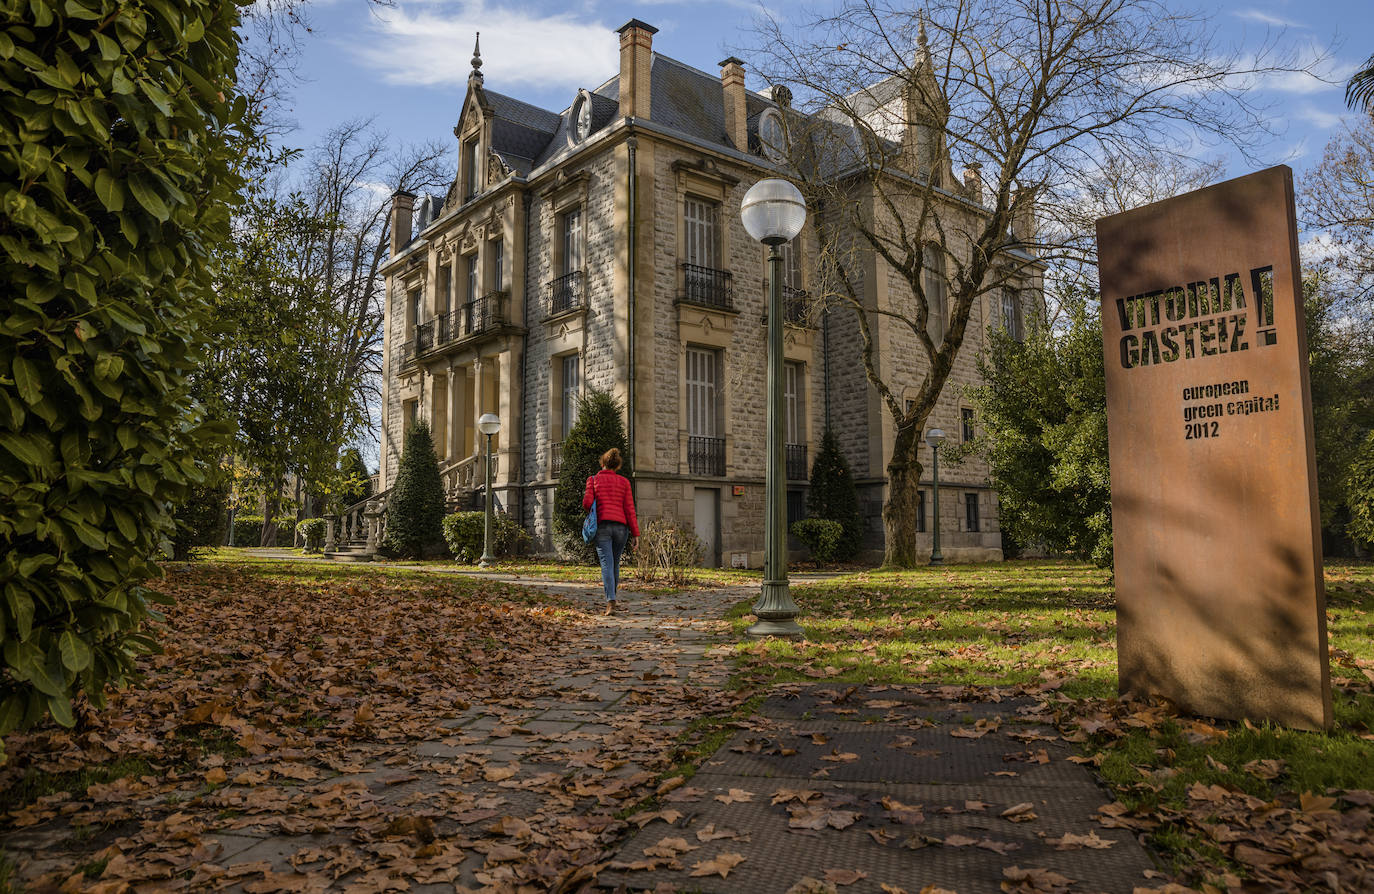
{"type": "Point", "coordinates": [632, 142]}
{"type": "Point", "coordinates": [825, 352]}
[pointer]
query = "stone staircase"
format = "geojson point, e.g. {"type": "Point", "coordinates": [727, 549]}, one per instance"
{"type": "Point", "coordinates": [355, 534]}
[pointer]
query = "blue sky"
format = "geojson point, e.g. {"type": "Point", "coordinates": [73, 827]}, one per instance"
{"type": "Point", "coordinates": [406, 66]}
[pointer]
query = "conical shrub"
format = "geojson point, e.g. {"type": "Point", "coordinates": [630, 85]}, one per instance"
{"type": "Point", "coordinates": [833, 494]}
{"type": "Point", "coordinates": [599, 427]}
{"type": "Point", "coordinates": [415, 510]}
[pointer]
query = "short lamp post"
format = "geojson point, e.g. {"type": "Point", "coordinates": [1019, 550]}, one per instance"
{"type": "Point", "coordinates": [935, 437]}
{"type": "Point", "coordinates": [774, 212]}
{"type": "Point", "coordinates": [488, 425]}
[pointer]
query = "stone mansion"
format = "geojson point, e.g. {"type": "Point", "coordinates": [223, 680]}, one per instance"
{"type": "Point", "coordinates": [602, 246]}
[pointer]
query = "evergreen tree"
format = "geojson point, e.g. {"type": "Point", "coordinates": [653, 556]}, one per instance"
{"type": "Point", "coordinates": [833, 495]}
{"type": "Point", "coordinates": [415, 511]}
{"type": "Point", "coordinates": [1043, 410]}
{"type": "Point", "coordinates": [599, 427]}
{"type": "Point", "coordinates": [356, 480]}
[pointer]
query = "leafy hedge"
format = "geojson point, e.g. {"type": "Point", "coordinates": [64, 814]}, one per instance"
{"type": "Point", "coordinates": [117, 123]}
{"type": "Point", "coordinates": [465, 531]}
{"type": "Point", "coordinates": [248, 530]}
{"type": "Point", "coordinates": [825, 539]}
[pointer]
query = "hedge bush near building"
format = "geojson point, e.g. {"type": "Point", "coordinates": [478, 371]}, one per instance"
{"type": "Point", "coordinates": [464, 533]}
{"type": "Point", "coordinates": [117, 155]}
{"type": "Point", "coordinates": [824, 538]}
{"type": "Point", "coordinates": [248, 530]}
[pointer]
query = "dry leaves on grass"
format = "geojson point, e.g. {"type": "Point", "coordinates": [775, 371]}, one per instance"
{"type": "Point", "coordinates": [293, 700]}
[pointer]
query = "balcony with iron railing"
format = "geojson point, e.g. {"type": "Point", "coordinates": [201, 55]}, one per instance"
{"type": "Point", "coordinates": [706, 456]}
{"type": "Point", "coordinates": [555, 459]}
{"type": "Point", "coordinates": [485, 314]}
{"type": "Point", "coordinates": [796, 462]}
{"type": "Point", "coordinates": [564, 293]}
{"type": "Point", "coordinates": [707, 287]}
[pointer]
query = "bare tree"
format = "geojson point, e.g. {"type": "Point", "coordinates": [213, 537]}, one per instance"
{"type": "Point", "coordinates": [1337, 197]}
{"type": "Point", "coordinates": [1034, 98]}
{"type": "Point", "coordinates": [351, 176]}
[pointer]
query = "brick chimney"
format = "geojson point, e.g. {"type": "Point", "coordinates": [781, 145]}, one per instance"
{"type": "Point", "coordinates": [973, 183]}
{"type": "Point", "coordinates": [636, 55]}
{"type": "Point", "coordinates": [402, 207]}
{"type": "Point", "coordinates": [1023, 214]}
{"type": "Point", "coordinates": [736, 115]}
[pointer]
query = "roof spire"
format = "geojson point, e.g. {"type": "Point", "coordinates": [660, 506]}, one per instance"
{"type": "Point", "coordinates": [921, 41]}
{"type": "Point", "coordinates": [477, 60]}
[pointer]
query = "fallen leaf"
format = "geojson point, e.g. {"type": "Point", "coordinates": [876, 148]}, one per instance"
{"type": "Point", "coordinates": [1020, 813]}
{"type": "Point", "coordinates": [1069, 841]}
{"type": "Point", "coordinates": [721, 865]}
{"type": "Point", "coordinates": [844, 876]}
{"type": "Point", "coordinates": [735, 796]}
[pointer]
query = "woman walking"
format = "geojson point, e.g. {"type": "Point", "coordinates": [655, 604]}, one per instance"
{"type": "Point", "coordinates": [615, 520]}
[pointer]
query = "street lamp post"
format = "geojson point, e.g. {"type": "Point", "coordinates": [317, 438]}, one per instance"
{"type": "Point", "coordinates": [488, 425]}
{"type": "Point", "coordinates": [774, 212]}
{"type": "Point", "coordinates": [935, 437]}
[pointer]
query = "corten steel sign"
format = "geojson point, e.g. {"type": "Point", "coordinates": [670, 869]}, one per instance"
{"type": "Point", "coordinates": [1220, 602]}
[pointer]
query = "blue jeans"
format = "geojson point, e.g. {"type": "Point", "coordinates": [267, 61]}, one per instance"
{"type": "Point", "coordinates": [611, 538]}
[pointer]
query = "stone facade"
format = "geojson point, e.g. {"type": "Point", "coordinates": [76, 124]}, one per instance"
{"type": "Point", "coordinates": [540, 242]}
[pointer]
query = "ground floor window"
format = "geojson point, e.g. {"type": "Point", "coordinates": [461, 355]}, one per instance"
{"type": "Point", "coordinates": [971, 512]}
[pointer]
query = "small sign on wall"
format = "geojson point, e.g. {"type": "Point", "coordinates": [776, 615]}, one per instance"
{"type": "Point", "coordinates": [739, 560]}
{"type": "Point", "coordinates": [738, 490]}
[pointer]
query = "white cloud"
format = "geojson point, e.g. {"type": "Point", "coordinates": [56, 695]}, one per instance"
{"type": "Point", "coordinates": [430, 44]}
{"type": "Point", "coordinates": [1264, 18]}
{"type": "Point", "coordinates": [1317, 117]}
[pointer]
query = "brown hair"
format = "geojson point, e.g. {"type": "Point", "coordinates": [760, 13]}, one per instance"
{"type": "Point", "coordinates": [611, 459]}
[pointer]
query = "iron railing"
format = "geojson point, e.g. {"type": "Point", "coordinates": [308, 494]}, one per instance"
{"type": "Point", "coordinates": [473, 318]}
{"type": "Point", "coordinates": [706, 456]}
{"type": "Point", "coordinates": [707, 286]}
{"type": "Point", "coordinates": [796, 462]}
{"type": "Point", "coordinates": [564, 293]}
{"type": "Point", "coordinates": [555, 459]}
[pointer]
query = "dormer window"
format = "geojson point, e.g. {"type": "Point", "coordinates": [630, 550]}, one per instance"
{"type": "Point", "coordinates": [772, 138]}
{"type": "Point", "coordinates": [471, 169]}
{"type": "Point", "coordinates": [580, 118]}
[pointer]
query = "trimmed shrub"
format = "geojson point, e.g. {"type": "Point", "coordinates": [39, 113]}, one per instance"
{"type": "Point", "coordinates": [667, 552]}
{"type": "Point", "coordinates": [117, 131]}
{"type": "Point", "coordinates": [834, 497]}
{"type": "Point", "coordinates": [248, 530]}
{"type": "Point", "coordinates": [201, 519]}
{"type": "Point", "coordinates": [464, 532]}
{"type": "Point", "coordinates": [415, 510]}
{"type": "Point", "coordinates": [599, 427]}
{"type": "Point", "coordinates": [312, 532]}
{"type": "Point", "coordinates": [823, 537]}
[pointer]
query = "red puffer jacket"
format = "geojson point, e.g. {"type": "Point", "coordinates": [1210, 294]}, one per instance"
{"type": "Point", "coordinates": [614, 502]}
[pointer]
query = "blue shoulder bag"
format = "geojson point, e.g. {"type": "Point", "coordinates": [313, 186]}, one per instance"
{"type": "Point", "coordinates": [589, 523]}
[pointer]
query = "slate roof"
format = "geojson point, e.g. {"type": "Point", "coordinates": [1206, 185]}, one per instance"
{"type": "Point", "coordinates": [683, 98]}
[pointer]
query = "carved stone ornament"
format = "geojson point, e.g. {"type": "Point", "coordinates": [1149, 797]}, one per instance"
{"type": "Point", "coordinates": [497, 169]}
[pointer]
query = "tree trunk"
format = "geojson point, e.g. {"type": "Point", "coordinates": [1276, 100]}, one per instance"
{"type": "Point", "coordinates": [899, 512]}
{"type": "Point", "coordinates": [269, 522]}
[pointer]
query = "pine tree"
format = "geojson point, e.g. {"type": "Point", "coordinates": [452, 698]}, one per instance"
{"type": "Point", "coordinates": [833, 495]}
{"type": "Point", "coordinates": [599, 427]}
{"type": "Point", "coordinates": [415, 510]}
